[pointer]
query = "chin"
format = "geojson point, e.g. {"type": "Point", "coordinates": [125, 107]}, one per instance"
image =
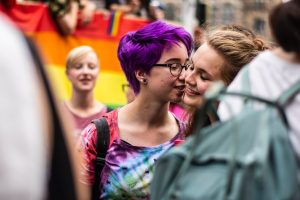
{"type": "Point", "coordinates": [85, 89]}
{"type": "Point", "coordinates": [177, 99]}
{"type": "Point", "coordinates": [195, 103]}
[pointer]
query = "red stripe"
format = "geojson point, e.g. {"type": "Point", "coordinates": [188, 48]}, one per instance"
{"type": "Point", "coordinates": [36, 18]}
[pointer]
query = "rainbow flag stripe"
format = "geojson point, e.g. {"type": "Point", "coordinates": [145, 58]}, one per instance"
{"type": "Point", "coordinates": [114, 23]}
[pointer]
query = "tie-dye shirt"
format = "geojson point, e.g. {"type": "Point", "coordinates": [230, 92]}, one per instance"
{"type": "Point", "coordinates": [128, 169]}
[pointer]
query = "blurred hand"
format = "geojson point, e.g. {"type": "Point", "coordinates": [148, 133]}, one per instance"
{"type": "Point", "coordinates": [135, 6]}
{"type": "Point", "coordinates": [87, 13]}
{"type": "Point", "coordinates": [156, 13]}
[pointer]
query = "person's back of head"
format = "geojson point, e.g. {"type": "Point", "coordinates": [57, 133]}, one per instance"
{"type": "Point", "coordinates": [140, 50]}
{"type": "Point", "coordinates": [284, 23]}
{"type": "Point", "coordinates": [237, 45]}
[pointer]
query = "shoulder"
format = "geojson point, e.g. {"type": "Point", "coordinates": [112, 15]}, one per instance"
{"type": "Point", "coordinates": [263, 61]}
{"type": "Point", "coordinates": [88, 136]}
{"type": "Point", "coordinates": [181, 125]}
{"type": "Point", "coordinates": [112, 121]}
{"type": "Point", "coordinates": [112, 116]}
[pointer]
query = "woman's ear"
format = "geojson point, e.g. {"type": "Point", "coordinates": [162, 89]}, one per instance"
{"type": "Point", "coordinates": [141, 77]}
{"type": "Point", "coordinates": [67, 71]}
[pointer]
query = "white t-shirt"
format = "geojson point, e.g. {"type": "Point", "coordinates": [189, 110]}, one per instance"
{"type": "Point", "coordinates": [269, 76]}
{"type": "Point", "coordinates": [23, 156]}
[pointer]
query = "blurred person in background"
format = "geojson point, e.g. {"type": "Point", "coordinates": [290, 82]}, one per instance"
{"type": "Point", "coordinates": [129, 93]}
{"type": "Point", "coordinates": [82, 70]}
{"type": "Point", "coordinates": [68, 13]}
{"type": "Point", "coordinates": [152, 9]}
{"type": "Point", "coordinates": [198, 37]}
{"type": "Point", "coordinates": [37, 159]}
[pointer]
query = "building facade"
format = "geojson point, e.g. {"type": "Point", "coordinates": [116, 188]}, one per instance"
{"type": "Point", "coordinates": [252, 14]}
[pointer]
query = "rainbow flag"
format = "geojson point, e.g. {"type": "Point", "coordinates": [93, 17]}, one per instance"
{"type": "Point", "coordinates": [34, 20]}
{"type": "Point", "coordinates": [114, 23]}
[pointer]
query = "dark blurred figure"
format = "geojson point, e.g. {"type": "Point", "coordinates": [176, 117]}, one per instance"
{"type": "Point", "coordinates": [68, 13]}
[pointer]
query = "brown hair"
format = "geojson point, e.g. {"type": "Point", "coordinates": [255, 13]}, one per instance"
{"type": "Point", "coordinates": [237, 45]}
{"type": "Point", "coordinates": [284, 22]}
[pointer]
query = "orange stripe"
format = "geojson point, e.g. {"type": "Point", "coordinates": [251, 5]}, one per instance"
{"type": "Point", "coordinates": [55, 49]}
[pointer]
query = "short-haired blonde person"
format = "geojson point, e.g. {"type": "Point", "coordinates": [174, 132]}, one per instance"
{"type": "Point", "coordinates": [82, 70]}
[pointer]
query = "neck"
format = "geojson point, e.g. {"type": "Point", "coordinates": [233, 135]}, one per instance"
{"type": "Point", "coordinates": [147, 111]}
{"type": "Point", "coordinates": [82, 100]}
{"type": "Point", "coordinates": [289, 56]}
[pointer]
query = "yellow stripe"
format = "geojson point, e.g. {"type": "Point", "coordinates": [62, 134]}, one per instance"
{"type": "Point", "coordinates": [116, 23]}
{"type": "Point", "coordinates": [108, 89]}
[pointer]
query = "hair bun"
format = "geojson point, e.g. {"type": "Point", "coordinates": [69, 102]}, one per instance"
{"type": "Point", "coordinates": [260, 45]}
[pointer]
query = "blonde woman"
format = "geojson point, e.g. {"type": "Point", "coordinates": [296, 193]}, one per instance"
{"type": "Point", "coordinates": [82, 69]}
{"type": "Point", "coordinates": [225, 51]}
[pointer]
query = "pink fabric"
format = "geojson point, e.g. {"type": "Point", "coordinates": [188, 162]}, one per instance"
{"type": "Point", "coordinates": [81, 122]}
{"type": "Point", "coordinates": [179, 112]}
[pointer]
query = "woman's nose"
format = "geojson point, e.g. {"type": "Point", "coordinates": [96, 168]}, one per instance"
{"type": "Point", "coordinates": [85, 69]}
{"type": "Point", "coordinates": [189, 78]}
{"type": "Point", "coordinates": [182, 75]}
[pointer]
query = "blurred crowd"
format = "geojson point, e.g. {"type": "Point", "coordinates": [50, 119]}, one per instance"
{"type": "Point", "coordinates": [67, 12]}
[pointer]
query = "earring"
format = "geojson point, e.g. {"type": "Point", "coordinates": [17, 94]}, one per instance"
{"type": "Point", "coordinates": [144, 81]}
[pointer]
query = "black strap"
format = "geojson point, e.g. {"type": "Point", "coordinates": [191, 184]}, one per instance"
{"type": "Point", "coordinates": [102, 144]}
{"type": "Point", "coordinates": [61, 181]}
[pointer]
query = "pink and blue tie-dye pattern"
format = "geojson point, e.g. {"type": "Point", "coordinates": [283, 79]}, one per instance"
{"type": "Point", "coordinates": [129, 169]}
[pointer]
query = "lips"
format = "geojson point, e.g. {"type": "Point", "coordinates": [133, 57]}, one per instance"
{"type": "Point", "coordinates": [191, 92]}
{"type": "Point", "coordinates": [180, 87]}
{"type": "Point", "coordinates": [85, 79]}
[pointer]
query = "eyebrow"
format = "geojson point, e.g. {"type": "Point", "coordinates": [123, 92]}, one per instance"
{"type": "Point", "coordinates": [176, 60]}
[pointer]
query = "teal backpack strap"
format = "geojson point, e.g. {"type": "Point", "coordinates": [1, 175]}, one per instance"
{"type": "Point", "coordinates": [289, 94]}
{"type": "Point", "coordinates": [246, 87]}
{"type": "Point", "coordinates": [246, 80]}
{"type": "Point", "coordinates": [285, 98]}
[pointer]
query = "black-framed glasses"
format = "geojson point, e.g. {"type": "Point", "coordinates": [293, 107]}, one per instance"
{"type": "Point", "coordinates": [175, 68]}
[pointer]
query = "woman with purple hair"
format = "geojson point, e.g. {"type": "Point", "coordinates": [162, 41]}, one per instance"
{"type": "Point", "coordinates": [152, 59]}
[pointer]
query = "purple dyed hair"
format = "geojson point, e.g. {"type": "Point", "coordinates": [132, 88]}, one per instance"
{"type": "Point", "coordinates": [140, 50]}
